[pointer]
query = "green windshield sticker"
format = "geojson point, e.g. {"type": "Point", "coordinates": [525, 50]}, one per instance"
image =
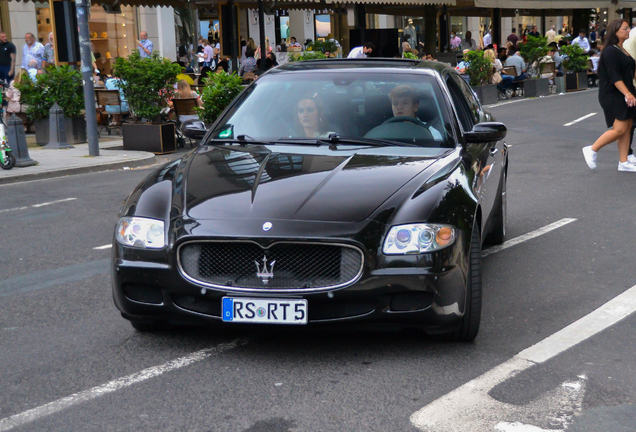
{"type": "Point", "coordinates": [226, 133]}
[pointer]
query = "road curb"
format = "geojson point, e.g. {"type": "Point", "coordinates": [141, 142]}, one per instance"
{"type": "Point", "coordinates": [134, 163]}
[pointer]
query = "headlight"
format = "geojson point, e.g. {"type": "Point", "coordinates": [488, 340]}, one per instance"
{"type": "Point", "coordinates": [140, 232]}
{"type": "Point", "coordinates": [418, 238]}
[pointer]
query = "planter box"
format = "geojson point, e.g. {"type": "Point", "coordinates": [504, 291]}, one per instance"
{"type": "Point", "coordinates": [74, 127]}
{"type": "Point", "coordinates": [576, 81]}
{"type": "Point", "coordinates": [154, 138]}
{"type": "Point", "coordinates": [536, 87]}
{"type": "Point", "coordinates": [487, 94]}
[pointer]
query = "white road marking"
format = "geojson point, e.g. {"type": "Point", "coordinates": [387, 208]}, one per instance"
{"type": "Point", "coordinates": [529, 236]}
{"type": "Point", "coordinates": [520, 427]}
{"type": "Point", "coordinates": [469, 407]}
{"type": "Point", "coordinates": [580, 119]}
{"type": "Point", "coordinates": [505, 103]}
{"type": "Point", "coordinates": [112, 386]}
{"type": "Point", "coordinates": [107, 246]}
{"type": "Point", "coordinates": [37, 205]}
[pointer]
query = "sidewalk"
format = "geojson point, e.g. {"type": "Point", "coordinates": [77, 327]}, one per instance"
{"type": "Point", "coordinates": [59, 163]}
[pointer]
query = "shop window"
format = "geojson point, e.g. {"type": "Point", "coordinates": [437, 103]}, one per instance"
{"type": "Point", "coordinates": [43, 17]}
{"type": "Point", "coordinates": [113, 35]}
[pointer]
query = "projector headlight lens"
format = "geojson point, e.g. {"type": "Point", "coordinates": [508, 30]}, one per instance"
{"type": "Point", "coordinates": [418, 238]}
{"type": "Point", "coordinates": [141, 232]}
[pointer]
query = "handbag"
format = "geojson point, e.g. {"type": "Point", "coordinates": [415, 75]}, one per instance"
{"type": "Point", "coordinates": [496, 78]}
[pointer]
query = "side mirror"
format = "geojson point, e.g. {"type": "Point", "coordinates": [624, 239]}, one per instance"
{"type": "Point", "coordinates": [486, 132]}
{"type": "Point", "coordinates": [193, 129]}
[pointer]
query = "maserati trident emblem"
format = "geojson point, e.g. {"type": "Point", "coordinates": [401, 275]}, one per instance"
{"type": "Point", "coordinates": [264, 273]}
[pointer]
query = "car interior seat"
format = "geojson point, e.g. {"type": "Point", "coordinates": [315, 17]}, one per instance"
{"type": "Point", "coordinates": [377, 110]}
{"type": "Point", "coordinates": [428, 113]}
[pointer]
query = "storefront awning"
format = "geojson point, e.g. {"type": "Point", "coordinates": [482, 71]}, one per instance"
{"type": "Point", "coordinates": [553, 4]}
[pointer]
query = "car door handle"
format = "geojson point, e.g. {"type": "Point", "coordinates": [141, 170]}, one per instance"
{"type": "Point", "coordinates": [493, 151]}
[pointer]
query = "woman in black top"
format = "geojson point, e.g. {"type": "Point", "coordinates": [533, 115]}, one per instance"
{"type": "Point", "coordinates": [616, 70]}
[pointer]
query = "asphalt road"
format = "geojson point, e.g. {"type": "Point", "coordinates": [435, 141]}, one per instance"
{"type": "Point", "coordinates": [60, 334]}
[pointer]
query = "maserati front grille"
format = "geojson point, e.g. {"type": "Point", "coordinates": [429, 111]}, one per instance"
{"type": "Point", "coordinates": [281, 266]}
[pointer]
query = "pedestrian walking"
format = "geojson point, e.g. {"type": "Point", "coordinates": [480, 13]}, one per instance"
{"type": "Point", "coordinates": [49, 53]}
{"type": "Point", "coordinates": [617, 70]}
{"type": "Point", "coordinates": [582, 41]}
{"type": "Point", "coordinates": [32, 50]}
{"type": "Point", "coordinates": [512, 37]}
{"type": "Point", "coordinates": [7, 58]}
{"type": "Point", "coordinates": [551, 34]}
{"type": "Point", "coordinates": [455, 41]}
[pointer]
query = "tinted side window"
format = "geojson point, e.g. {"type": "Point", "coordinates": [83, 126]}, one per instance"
{"type": "Point", "coordinates": [473, 103]}
{"type": "Point", "coordinates": [463, 110]}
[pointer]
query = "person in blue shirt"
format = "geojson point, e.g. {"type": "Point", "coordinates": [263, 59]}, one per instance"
{"type": "Point", "coordinates": [114, 110]}
{"type": "Point", "coordinates": [145, 45]}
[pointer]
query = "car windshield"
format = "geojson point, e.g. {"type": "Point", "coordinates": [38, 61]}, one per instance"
{"type": "Point", "coordinates": [396, 108]}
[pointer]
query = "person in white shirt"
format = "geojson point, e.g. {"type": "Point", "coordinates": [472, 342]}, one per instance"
{"type": "Point", "coordinates": [362, 51]}
{"type": "Point", "coordinates": [487, 38]}
{"type": "Point", "coordinates": [551, 34]}
{"type": "Point", "coordinates": [582, 41]}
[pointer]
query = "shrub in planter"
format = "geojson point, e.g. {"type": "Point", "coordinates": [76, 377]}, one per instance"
{"type": "Point", "coordinates": [479, 68]}
{"type": "Point", "coordinates": [574, 58]}
{"type": "Point", "coordinates": [219, 91]}
{"type": "Point", "coordinates": [324, 46]}
{"type": "Point", "coordinates": [60, 84]}
{"type": "Point", "coordinates": [575, 66]}
{"type": "Point", "coordinates": [147, 83]}
{"type": "Point", "coordinates": [306, 55]}
{"type": "Point", "coordinates": [533, 51]}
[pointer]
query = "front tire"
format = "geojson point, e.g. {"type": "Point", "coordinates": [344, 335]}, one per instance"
{"type": "Point", "coordinates": [471, 320]}
{"type": "Point", "coordinates": [9, 161]}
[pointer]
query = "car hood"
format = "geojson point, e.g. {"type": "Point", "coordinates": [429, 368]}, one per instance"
{"type": "Point", "coordinates": [296, 183]}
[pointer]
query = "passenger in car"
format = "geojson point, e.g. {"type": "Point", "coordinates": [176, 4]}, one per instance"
{"type": "Point", "coordinates": [310, 111]}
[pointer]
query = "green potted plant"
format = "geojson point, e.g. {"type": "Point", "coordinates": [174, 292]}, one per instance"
{"type": "Point", "coordinates": [306, 55]}
{"type": "Point", "coordinates": [575, 66]}
{"type": "Point", "coordinates": [533, 51]}
{"type": "Point", "coordinates": [219, 91]}
{"type": "Point", "coordinates": [326, 46]}
{"type": "Point", "coordinates": [480, 71]}
{"type": "Point", "coordinates": [147, 84]}
{"type": "Point", "coordinates": [63, 85]}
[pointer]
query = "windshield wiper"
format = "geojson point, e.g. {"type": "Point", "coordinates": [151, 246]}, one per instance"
{"type": "Point", "coordinates": [241, 139]}
{"type": "Point", "coordinates": [334, 139]}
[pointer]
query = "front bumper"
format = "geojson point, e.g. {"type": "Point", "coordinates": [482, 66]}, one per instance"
{"type": "Point", "coordinates": [426, 291]}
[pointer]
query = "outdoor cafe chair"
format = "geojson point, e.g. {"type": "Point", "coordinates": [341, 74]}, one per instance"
{"type": "Point", "coordinates": [550, 68]}
{"type": "Point", "coordinates": [111, 98]}
{"type": "Point", "coordinates": [183, 107]}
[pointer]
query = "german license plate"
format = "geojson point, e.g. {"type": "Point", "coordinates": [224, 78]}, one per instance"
{"type": "Point", "coordinates": [264, 311]}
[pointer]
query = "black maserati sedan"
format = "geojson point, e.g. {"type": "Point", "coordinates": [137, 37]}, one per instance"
{"type": "Point", "coordinates": [329, 191]}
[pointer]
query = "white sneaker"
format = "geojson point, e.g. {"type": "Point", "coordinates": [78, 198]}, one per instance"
{"type": "Point", "coordinates": [626, 166]}
{"type": "Point", "coordinates": [631, 159]}
{"type": "Point", "coordinates": [590, 157]}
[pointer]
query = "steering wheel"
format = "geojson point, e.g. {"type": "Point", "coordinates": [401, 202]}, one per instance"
{"type": "Point", "coordinates": [402, 119]}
